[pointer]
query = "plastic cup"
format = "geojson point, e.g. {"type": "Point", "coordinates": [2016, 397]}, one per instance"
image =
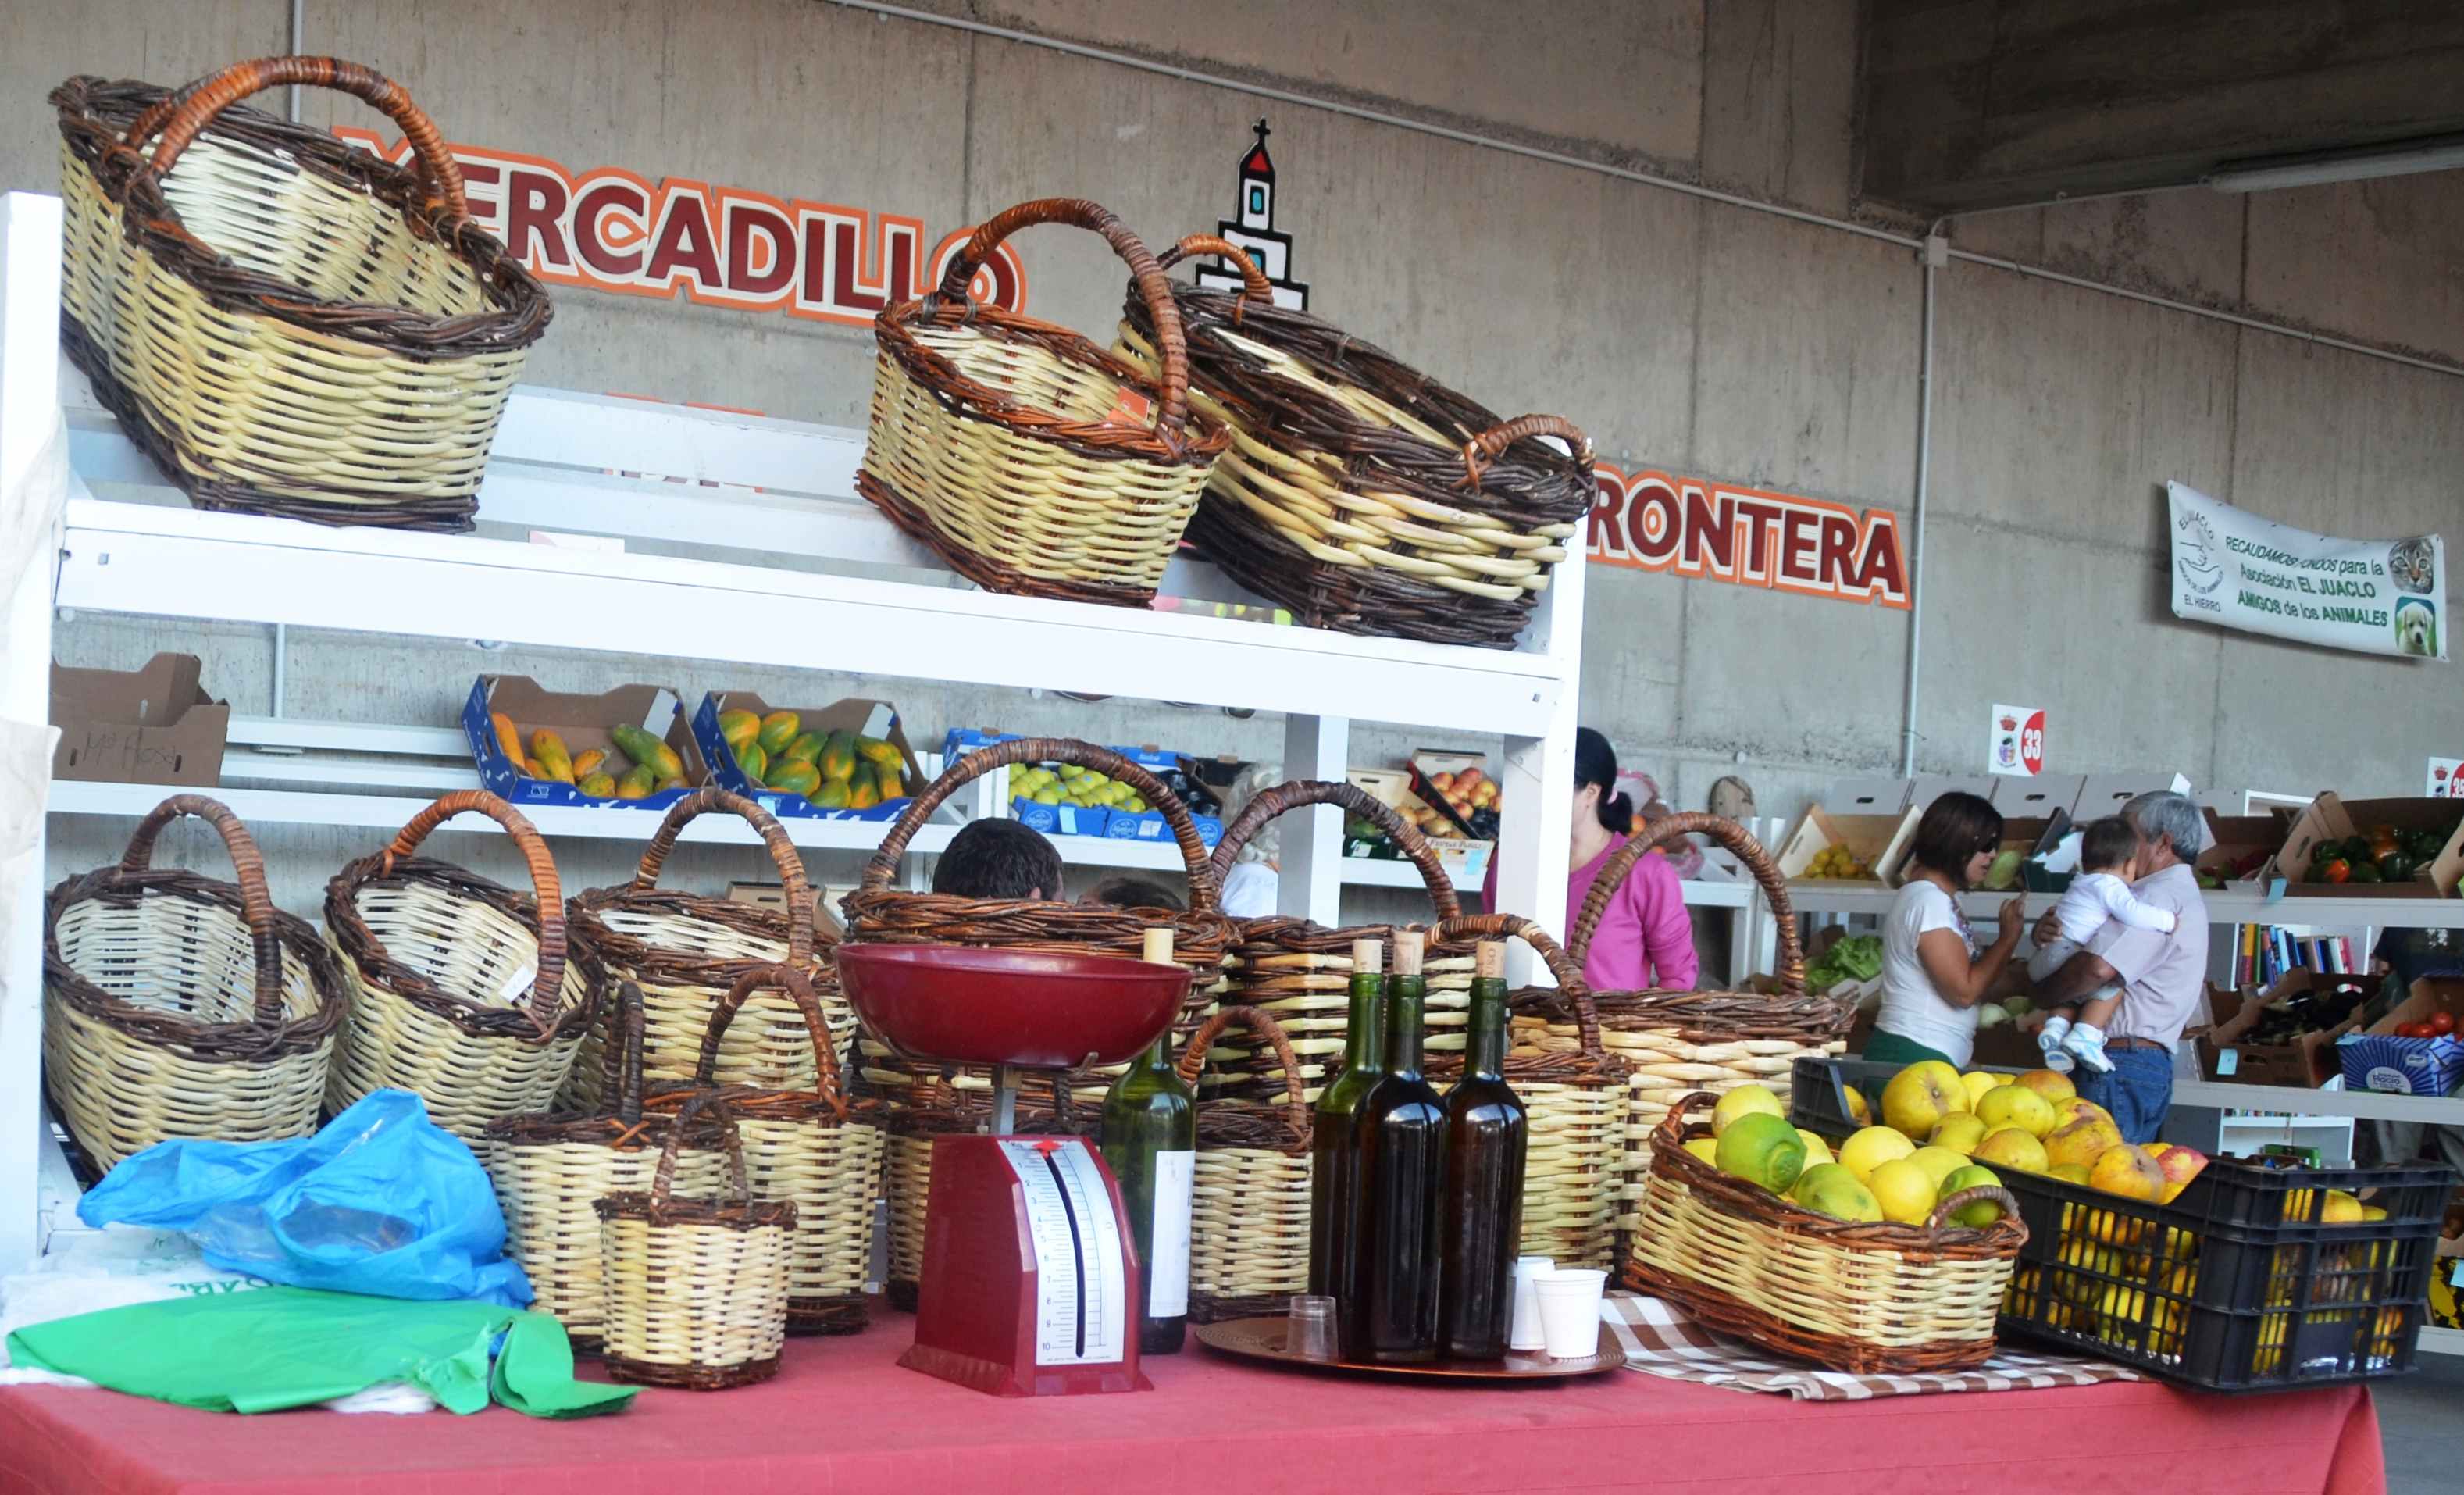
{"type": "Point", "coordinates": [1570, 1311]}
{"type": "Point", "coordinates": [1310, 1330]}
{"type": "Point", "coordinates": [1526, 1333]}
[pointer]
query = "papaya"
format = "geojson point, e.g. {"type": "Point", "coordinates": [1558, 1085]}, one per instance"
{"type": "Point", "coordinates": [793, 775]}
{"type": "Point", "coordinates": [862, 792]}
{"type": "Point", "coordinates": [602, 784]}
{"type": "Point", "coordinates": [806, 749]}
{"type": "Point", "coordinates": [634, 743]}
{"type": "Point", "coordinates": [509, 742]}
{"type": "Point", "coordinates": [755, 762]}
{"type": "Point", "coordinates": [586, 762]}
{"type": "Point", "coordinates": [830, 794]}
{"type": "Point", "coordinates": [837, 755]}
{"type": "Point", "coordinates": [778, 730]}
{"type": "Point", "coordinates": [548, 757]}
{"type": "Point", "coordinates": [879, 753]}
{"type": "Point", "coordinates": [738, 727]}
{"type": "Point", "coordinates": [663, 785]}
{"type": "Point", "coordinates": [664, 762]}
{"type": "Point", "coordinates": [635, 785]}
{"type": "Point", "coordinates": [885, 777]}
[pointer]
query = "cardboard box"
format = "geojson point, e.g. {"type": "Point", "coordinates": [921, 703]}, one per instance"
{"type": "Point", "coordinates": [2377, 1058]}
{"type": "Point", "coordinates": [1178, 773]}
{"type": "Point", "coordinates": [1463, 857]}
{"type": "Point", "coordinates": [150, 725]}
{"type": "Point", "coordinates": [1925, 788]}
{"type": "Point", "coordinates": [864, 718]}
{"type": "Point", "coordinates": [1879, 841]}
{"type": "Point", "coordinates": [583, 722]}
{"type": "Point", "coordinates": [2039, 797]}
{"type": "Point", "coordinates": [1429, 763]}
{"type": "Point", "coordinates": [826, 927]}
{"type": "Point", "coordinates": [1869, 796]}
{"type": "Point", "coordinates": [2105, 794]}
{"type": "Point", "coordinates": [2331, 818]}
{"type": "Point", "coordinates": [2240, 849]}
{"type": "Point", "coordinates": [2225, 1054]}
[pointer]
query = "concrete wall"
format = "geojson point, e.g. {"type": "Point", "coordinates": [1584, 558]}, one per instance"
{"type": "Point", "coordinates": [1685, 335]}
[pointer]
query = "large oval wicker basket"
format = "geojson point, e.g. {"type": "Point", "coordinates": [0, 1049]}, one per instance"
{"type": "Point", "coordinates": [1877, 1299]}
{"type": "Point", "coordinates": [1249, 1222]}
{"type": "Point", "coordinates": [460, 989]}
{"type": "Point", "coordinates": [288, 325]}
{"type": "Point", "coordinates": [1360, 492]}
{"type": "Point", "coordinates": [178, 1006]}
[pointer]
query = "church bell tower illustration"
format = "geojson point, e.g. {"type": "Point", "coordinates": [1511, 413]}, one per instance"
{"type": "Point", "coordinates": [1252, 227]}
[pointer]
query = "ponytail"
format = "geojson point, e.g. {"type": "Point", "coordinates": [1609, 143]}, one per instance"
{"type": "Point", "coordinates": [1617, 813]}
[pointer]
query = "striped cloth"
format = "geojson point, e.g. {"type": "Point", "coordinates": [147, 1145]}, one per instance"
{"type": "Point", "coordinates": [1660, 1339]}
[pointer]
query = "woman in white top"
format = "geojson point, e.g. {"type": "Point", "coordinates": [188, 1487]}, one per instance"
{"type": "Point", "coordinates": [1933, 975]}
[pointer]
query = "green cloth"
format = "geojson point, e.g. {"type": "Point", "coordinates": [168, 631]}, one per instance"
{"type": "Point", "coordinates": [1890, 1049]}
{"type": "Point", "coordinates": [292, 1347]}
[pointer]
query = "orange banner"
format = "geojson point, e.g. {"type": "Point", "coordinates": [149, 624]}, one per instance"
{"type": "Point", "coordinates": [1722, 532]}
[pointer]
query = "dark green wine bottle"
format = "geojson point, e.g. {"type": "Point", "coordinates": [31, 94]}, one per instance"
{"type": "Point", "coordinates": [1335, 1182]}
{"type": "Point", "coordinates": [1480, 1205]}
{"type": "Point", "coordinates": [1400, 1138]}
{"type": "Point", "coordinates": [1151, 1144]}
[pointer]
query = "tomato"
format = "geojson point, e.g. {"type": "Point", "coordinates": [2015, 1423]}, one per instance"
{"type": "Point", "coordinates": [2335, 870]}
{"type": "Point", "coordinates": [2442, 1023]}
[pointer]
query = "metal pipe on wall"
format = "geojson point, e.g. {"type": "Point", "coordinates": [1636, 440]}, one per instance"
{"type": "Point", "coordinates": [1932, 255]}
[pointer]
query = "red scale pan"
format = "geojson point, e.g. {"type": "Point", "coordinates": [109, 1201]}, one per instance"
{"type": "Point", "coordinates": [1030, 1283]}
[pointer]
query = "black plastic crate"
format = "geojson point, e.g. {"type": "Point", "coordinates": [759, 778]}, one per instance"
{"type": "Point", "coordinates": [2164, 1289]}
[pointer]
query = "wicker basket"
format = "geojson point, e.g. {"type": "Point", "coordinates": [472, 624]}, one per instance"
{"type": "Point", "coordinates": [804, 1147]}
{"type": "Point", "coordinates": [1867, 1298]}
{"type": "Point", "coordinates": [1250, 1214]}
{"type": "Point", "coordinates": [460, 991]}
{"type": "Point", "coordinates": [1359, 492]}
{"type": "Point", "coordinates": [552, 1170]}
{"type": "Point", "coordinates": [1574, 1100]}
{"type": "Point", "coordinates": [1029, 458]}
{"type": "Point", "coordinates": [1298, 973]}
{"type": "Point", "coordinates": [288, 326]}
{"type": "Point", "coordinates": [697, 1289]}
{"type": "Point", "coordinates": [1675, 1043]}
{"type": "Point", "coordinates": [685, 950]}
{"type": "Point", "coordinates": [178, 1006]}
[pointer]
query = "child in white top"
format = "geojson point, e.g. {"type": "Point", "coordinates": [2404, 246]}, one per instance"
{"type": "Point", "coordinates": [2108, 865]}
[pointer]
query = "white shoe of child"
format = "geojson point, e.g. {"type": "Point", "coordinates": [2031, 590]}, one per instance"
{"type": "Point", "coordinates": [2085, 1043]}
{"type": "Point", "coordinates": [2049, 1038]}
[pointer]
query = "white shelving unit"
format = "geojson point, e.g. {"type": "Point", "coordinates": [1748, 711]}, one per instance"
{"type": "Point", "coordinates": [738, 516]}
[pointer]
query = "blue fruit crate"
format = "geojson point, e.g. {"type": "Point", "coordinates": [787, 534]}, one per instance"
{"type": "Point", "coordinates": [521, 696]}
{"type": "Point", "coordinates": [854, 715]}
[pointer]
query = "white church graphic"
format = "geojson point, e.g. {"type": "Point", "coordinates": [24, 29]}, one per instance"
{"type": "Point", "coordinates": [1254, 230]}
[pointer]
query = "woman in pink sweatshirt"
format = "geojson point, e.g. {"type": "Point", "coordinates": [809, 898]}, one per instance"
{"type": "Point", "coordinates": [1644, 940]}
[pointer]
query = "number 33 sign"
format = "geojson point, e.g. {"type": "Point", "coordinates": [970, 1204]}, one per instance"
{"type": "Point", "coordinates": [2015, 742]}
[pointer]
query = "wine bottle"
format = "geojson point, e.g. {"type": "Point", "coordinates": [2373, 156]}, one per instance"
{"type": "Point", "coordinates": [1151, 1144]}
{"type": "Point", "coordinates": [1335, 1182]}
{"type": "Point", "coordinates": [1480, 1206]}
{"type": "Point", "coordinates": [1399, 1139]}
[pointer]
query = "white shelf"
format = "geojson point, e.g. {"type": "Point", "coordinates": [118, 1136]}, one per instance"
{"type": "Point", "coordinates": [2227, 906]}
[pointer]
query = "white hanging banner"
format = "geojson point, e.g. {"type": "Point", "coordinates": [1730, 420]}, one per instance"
{"type": "Point", "coordinates": [2373, 596]}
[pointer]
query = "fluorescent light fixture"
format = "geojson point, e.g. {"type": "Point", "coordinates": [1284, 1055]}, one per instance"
{"type": "Point", "coordinates": [2314, 170]}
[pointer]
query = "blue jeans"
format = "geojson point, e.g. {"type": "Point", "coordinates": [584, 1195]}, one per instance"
{"type": "Point", "coordinates": [2138, 1093]}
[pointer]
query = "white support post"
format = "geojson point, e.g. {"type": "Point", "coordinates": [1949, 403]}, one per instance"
{"type": "Point", "coordinates": [1310, 885]}
{"type": "Point", "coordinates": [29, 309]}
{"type": "Point", "coordinates": [1537, 788]}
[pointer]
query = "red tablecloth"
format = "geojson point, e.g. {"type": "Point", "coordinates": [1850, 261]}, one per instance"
{"type": "Point", "coordinates": [840, 1417]}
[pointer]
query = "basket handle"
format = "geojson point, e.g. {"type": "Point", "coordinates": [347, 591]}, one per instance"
{"type": "Point", "coordinates": [974, 765]}
{"type": "Point", "coordinates": [827, 1086]}
{"type": "Point", "coordinates": [783, 851]}
{"type": "Point", "coordinates": [1300, 793]}
{"type": "Point", "coordinates": [662, 1183]}
{"type": "Point", "coordinates": [547, 984]}
{"type": "Point", "coordinates": [185, 115]}
{"type": "Point", "coordinates": [248, 869]}
{"type": "Point", "coordinates": [1491, 444]}
{"type": "Point", "coordinates": [625, 1055]}
{"type": "Point", "coordinates": [1193, 1059]}
{"type": "Point", "coordinates": [1727, 833]}
{"type": "Point", "coordinates": [1561, 965]}
{"type": "Point", "coordinates": [1171, 347]}
{"type": "Point", "coordinates": [1940, 1219]}
{"type": "Point", "coordinates": [1254, 284]}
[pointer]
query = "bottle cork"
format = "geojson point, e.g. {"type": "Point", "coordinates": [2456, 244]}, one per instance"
{"type": "Point", "coordinates": [1407, 952]}
{"type": "Point", "coordinates": [1158, 946]}
{"type": "Point", "coordinates": [1488, 961]}
{"type": "Point", "coordinates": [1368, 957]}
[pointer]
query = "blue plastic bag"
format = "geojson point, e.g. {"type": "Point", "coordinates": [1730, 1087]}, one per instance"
{"type": "Point", "coordinates": [380, 1201]}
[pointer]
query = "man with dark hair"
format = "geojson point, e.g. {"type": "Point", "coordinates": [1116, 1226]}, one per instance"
{"type": "Point", "coordinates": [1134, 892]}
{"type": "Point", "coordinates": [2161, 973]}
{"type": "Point", "coordinates": [999, 859]}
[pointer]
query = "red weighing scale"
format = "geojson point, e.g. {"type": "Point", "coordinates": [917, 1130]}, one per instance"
{"type": "Point", "coordinates": [1030, 1286]}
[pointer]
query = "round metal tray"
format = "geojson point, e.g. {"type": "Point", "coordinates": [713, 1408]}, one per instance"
{"type": "Point", "coordinates": [1263, 1339]}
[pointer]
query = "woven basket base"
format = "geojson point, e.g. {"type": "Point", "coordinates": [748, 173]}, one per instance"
{"type": "Point", "coordinates": [1368, 600]}
{"type": "Point", "coordinates": [1205, 1308]}
{"type": "Point", "coordinates": [1729, 1315]}
{"type": "Point", "coordinates": [445, 515]}
{"type": "Point", "coordinates": [991, 575]}
{"type": "Point", "coordinates": [687, 1377]}
{"type": "Point", "coordinates": [845, 1314]}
